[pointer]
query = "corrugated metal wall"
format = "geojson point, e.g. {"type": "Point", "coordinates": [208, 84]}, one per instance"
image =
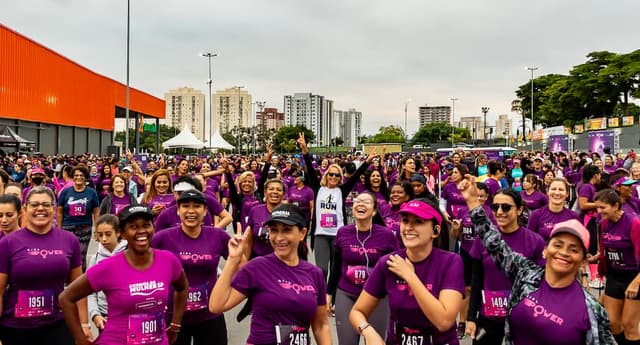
{"type": "Point", "coordinates": [37, 84]}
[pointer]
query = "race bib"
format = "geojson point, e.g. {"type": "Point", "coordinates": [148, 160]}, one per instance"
{"type": "Point", "coordinates": [34, 303]}
{"type": "Point", "coordinates": [620, 258]}
{"type": "Point", "coordinates": [77, 210]}
{"type": "Point", "coordinates": [263, 233]}
{"type": "Point", "coordinates": [197, 298]}
{"type": "Point", "coordinates": [358, 274]}
{"type": "Point", "coordinates": [328, 220]}
{"type": "Point", "coordinates": [292, 335]}
{"type": "Point", "coordinates": [145, 329]}
{"type": "Point", "coordinates": [411, 336]}
{"type": "Point", "coordinates": [468, 233]}
{"type": "Point", "coordinates": [119, 208]}
{"type": "Point", "coordinates": [494, 303]}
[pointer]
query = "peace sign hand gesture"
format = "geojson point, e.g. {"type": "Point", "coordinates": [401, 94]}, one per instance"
{"type": "Point", "coordinates": [238, 243]}
{"type": "Point", "coordinates": [302, 143]}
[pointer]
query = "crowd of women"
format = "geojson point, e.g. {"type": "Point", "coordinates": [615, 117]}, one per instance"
{"type": "Point", "coordinates": [407, 249]}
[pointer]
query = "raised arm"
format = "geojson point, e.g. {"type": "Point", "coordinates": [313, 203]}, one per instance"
{"type": "Point", "coordinates": [312, 177]}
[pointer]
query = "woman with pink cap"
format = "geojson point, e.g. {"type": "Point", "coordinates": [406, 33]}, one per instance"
{"type": "Point", "coordinates": [547, 305]}
{"type": "Point", "coordinates": [424, 284]}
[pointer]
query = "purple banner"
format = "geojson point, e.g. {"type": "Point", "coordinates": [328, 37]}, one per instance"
{"type": "Point", "coordinates": [558, 143]}
{"type": "Point", "coordinates": [601, 140]}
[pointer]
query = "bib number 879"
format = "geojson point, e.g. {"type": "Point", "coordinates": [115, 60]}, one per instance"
{"type": "Point", "coordinates": [298, 339]}
{"type": "Point", "coordinates": [412, 339]}
{"type": "Point", "coordinates": [149, 327]}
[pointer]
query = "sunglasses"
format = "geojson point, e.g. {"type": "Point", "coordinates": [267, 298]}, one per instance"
{"type": "Point", "coordinates": [334, 175]}
{"type": "Point", "coordinates": [504, 207]}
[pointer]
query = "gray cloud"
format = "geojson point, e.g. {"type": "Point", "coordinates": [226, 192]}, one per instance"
{"type": "Point", "coordinates": [371, 55]}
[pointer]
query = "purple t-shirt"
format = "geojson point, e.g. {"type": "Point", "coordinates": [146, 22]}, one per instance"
{"type": "Point", "coordinates": [542, 220]}
{"type": "Point", "coordinates": [551, 316]}
{"type": "Point", "coordinates": [169, 218]}
{"type": "Point", "coordinates": [137, 299]}
{"type": "Point", "coordinates": [441, 270]}
{"type": "Point", "coordinates": [493, 186]}
{"type": "Point", "coordinates": [524, 242]}
{"type": "Point", "coordinates": [259, 215]}
{"type": "Point", "coordinates": [588, 191]}
{"type": "Point", "coordinates": [281, 295]}
{"type": "Point", "coordinates": [535, 200]}
{"type": "Point", "coordinates": [393, 221]}
{"type": "Point", "coordinates": [38, 267]}
{"type": "Point", "coordinates": [455, 200]}
{"type": "Point", "coordinates": [199, 257]}
{"type": "Point", "coordinates": [118, 203]}
{"type": "Point", "coordinates": [360, 251]}
{"type": "Point", "coordinates": [248, 202]}
{"type": "Point", "coordinates": [620, 251]}
{"type": "Point", "coordinates": [301, 198]}
{"type": "Point", "coordinates": [165, 200]}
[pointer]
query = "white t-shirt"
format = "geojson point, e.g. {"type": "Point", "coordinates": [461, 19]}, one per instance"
{"type": "Point", "coordinates": [329, 217]}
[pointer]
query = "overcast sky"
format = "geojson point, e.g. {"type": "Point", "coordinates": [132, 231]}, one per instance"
{"type": "Point", "coordinates": [370, 55]}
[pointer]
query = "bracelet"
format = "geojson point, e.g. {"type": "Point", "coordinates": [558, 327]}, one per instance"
{"type": "Point", "coordinates": [86, 325]}
{"type": "Point", "coordinates": [174, 327]}
{"type": "Point", "coordinates": [363, 326]}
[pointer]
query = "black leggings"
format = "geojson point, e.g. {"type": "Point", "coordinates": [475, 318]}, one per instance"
{"type": "Point", "coordinates": [494, 332]}
{"type": "Point", "coordinates": [54, 334]}
{"type": "Point", "coordinates": [212, 332]}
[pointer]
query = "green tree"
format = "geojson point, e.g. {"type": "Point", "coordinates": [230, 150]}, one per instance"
{"type": "Point", "coordinates": [439, 132]}
{"type": "Point", "coordinates": [622, 74]}
{"type": "Point", "coordinates": [540, 85]}
{"type": "Point", "coordinates": [147, 139]}
{"type": "Point", "coordinates": [337, 141]}
{"type": "Point", "coordinates": [285, 138]}
{"type": "Point", "coordinates": [389, 134]}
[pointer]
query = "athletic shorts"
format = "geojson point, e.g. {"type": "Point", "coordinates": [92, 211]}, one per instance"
{"type": "Point", "coordinates": [615, 288]}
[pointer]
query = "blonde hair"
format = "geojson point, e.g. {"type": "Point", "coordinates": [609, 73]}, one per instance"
{"type": "Point", "coordinates": [323, 180]}
{"type": "Point", "coordinates": [245, 175]}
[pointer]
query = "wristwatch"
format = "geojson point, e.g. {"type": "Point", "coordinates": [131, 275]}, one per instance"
{"type": "Point", "coordinates": [363, 326]}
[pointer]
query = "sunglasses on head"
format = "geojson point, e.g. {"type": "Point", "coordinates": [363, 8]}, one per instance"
{"type": "Point", "coordinates": [333, 175]}
{"type": "Point", "coordinates": [504, 207]}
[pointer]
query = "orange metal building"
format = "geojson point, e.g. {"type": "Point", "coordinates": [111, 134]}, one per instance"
{"type": "Point", "coordinates": [60, 105]}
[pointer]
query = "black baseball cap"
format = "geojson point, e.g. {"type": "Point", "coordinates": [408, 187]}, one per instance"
{"type": "Point", "coordinates": [287, 214]}
{"type": "Point", "coordinates": [192, 195]}
{"type": "Point", "coordinates": [132, 211]}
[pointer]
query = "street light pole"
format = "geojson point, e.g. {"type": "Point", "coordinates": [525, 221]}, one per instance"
{"type": "Point", "coordinates": [485, 110]}
{"type": "Point", "coordinates": [126, 111]}
{"type": "Point", "coordinates": [532, 125]}
{"type": "Point", "coordinates": [239, 108]}
{"type": "Point", "coordinates": [406, 134]}
{"type": "Point", "coordinates": [453, 114]}
{"type": "Point", "coordinates": [210, 82]}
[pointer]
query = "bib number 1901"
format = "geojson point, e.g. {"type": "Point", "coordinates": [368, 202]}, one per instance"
{"type": "Point", "coordinates": [149, 327]}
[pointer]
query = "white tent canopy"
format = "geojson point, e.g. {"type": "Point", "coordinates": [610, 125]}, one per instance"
{"type": "Point", "coordinates": [218, 142]}
{"type": "Point", "coordinates": [184, 139]}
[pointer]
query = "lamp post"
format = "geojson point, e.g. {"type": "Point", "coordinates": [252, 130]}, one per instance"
{"type": "Point", "coordinates": [238, 87]}
{"type": "Point", "coordinates": [485, 110]}
{"type": "Point", "coordinates": [126, 111]}
{"type": "Point", "coordinates": [258, 104]}
{"type": "Point", "coordinates": [532, 124]}
{"type": "Point", "coordinates": [453, 114]}
{"type": "Point", "coordinates": [406, 103]}
{"type": "Point", "coordinates": [210, 82]}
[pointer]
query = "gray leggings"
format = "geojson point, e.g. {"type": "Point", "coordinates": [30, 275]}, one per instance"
{"type": "Point", "coordinates": [347, 335]}
{"type": "Point", "coordinates": [323, 253]}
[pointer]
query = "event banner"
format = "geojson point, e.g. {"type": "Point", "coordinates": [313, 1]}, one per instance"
{"type": "Point", "coordinates": [597, 123]}
{"type": "Point", "coordinates": [601, 141]}
{"type": "Point", "coordinates": [558, 143]}
{"type": "Point", "coordinates": [579, 128]}
{"type": "Point", "coordinates": [627, 121]}
{"type": "Point", "coordinates": [613, 122]}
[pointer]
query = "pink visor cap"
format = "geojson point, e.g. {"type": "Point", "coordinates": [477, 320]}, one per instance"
{"type": "Point", "coordinates": [575, 228]}
{"type": "Point", "coordinates": [421, 209]}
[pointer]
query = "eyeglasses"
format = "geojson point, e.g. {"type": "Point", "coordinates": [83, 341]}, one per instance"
{"type": "Point", "coordinates": [45, 204]}
{"type": "Point", "coordinates": [504, 207]}
{"type": "Point", "coordinates": [334, 175]}
{"type": "Point", "coordinates": [363, 201]}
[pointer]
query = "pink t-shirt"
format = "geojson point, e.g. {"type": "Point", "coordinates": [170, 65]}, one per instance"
{"type": "Point", "coordinates": [137, 298]}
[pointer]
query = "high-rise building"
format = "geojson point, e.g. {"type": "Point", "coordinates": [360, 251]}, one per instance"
{"type": "Point", "coordinates": [349, 125]}
{"type": "Point", "coordinates": [503, 126]}
{"type": "Point", "coordinates": [270, 118]}
{"type": "Point", "coordinates": [232, 108]}
{"type": "Point", "coordinates": [474, 124]}
{"type": "Point", "coordinates": [315, 112]}
{"type": "Point", "coordinates": [185, 107]}
{"type": "Point", "coordinates": [434, 114]}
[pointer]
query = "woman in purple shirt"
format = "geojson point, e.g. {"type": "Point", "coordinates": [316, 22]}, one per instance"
{"type": "Point", "coordinates": [542, 220]}
{"type": "Point", "coordinates": [159, 196]}
{"type": "Point", "coordinates": [424, 285]}
{"type": "Point", "coordinates": [35, 265]}
{"type": "Point", "coordinates": [586, 194]}
{"type": "Point", "coordinates": [258, 236]}
{"type": "Point", "coordinates": [119, 198]}
{"type": "Point", "coordinates": [532, 192]}
{"type": "Point", "coordinates": [199, 249]}
{"type": "Point", "coordinates": [401, 192]}
{"type": "Point", "coordinates": [357, 249]}
{"type": "Point", "coordinates": [288, 293]}
{"type": "Point", "coordinates": [489, 286]}
{"type": "Point", "coordinates": [497, 171]}
{"type": "Point", "coordinates": [136, 283]}
{"type": "Point", "coordinates": [620, 246]}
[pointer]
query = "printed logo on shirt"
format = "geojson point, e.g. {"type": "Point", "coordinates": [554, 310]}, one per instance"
{"type": "Point", "coordinates": [611, 237]}
{"type": "Point", "coordinates": [361, 250]}
{"type": "Point", "coordinates": [403, 286]}
{"type": "Point", "coordinates": [288, 285]}
{"type": "Point", "coordinates": [328, 204]}
{"type": "Point", "coordinates": [74, 201]}
{"type": "Point", "coordinates": [540, 311]}
{"type": "Point", "coordinates": [44, 253]}
{"type": "Point", "coordinates": [195, 258]}
{"type": "Point", "coordinates": [145, 288]}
